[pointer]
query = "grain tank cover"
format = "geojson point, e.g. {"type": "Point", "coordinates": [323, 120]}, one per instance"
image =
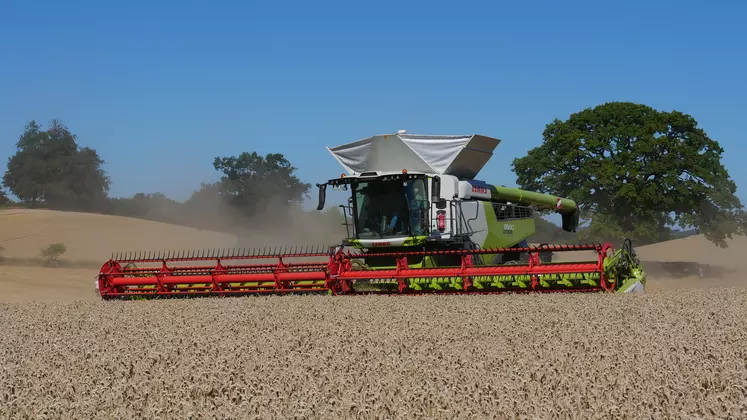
{"type": "Point", "coordinates": [462, 155]}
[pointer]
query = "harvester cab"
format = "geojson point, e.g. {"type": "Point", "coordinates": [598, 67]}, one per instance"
{"type": "Point", "coordinates": [417, 222]}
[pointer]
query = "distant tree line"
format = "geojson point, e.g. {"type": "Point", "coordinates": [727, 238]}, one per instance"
{"type": "Point", "coordinates": [635, 172]}
{"type": "Point", "coordinates": [50, 170]}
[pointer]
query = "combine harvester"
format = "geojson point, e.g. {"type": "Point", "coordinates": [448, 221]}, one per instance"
{"type": "Point", "coordinates": [417, 222]}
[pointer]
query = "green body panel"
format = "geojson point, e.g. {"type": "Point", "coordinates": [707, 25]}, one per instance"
{"type": "Point", "coordinates": [409, 241]}
{"type": "Point", "coordinates": [531, 198]}
{"type": "Point", "coordinates": [629, 283]}
{"type": "Point", "coordinates": [504, 234]}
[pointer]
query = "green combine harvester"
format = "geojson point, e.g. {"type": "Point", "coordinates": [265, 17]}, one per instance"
{"type": "Point", "coordinates": [417, 221]}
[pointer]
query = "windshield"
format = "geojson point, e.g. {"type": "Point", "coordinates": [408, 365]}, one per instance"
{"type": "Point", "coordinates": [391, 208]}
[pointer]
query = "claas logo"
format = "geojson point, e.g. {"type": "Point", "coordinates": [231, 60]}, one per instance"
{"type": "Point", "coordinates": [479, 190]}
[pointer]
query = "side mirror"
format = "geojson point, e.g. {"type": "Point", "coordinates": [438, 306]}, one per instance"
{"type": "Point", "coordinates": [436, 194]}
{"type": "Point", "coordinates": [436, 189]}
{"type": "Point", "coordinates": [322, 195]}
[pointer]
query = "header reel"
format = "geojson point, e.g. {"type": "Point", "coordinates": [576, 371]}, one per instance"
{"type": "Point", "coordinates": [333, 270]}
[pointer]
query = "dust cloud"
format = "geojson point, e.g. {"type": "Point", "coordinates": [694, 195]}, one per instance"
{"type": "Point", "coordinates": [275, 222]}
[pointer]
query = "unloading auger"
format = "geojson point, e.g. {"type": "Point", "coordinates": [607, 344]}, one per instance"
{"type": "Point", "coordinates": [417, 222]}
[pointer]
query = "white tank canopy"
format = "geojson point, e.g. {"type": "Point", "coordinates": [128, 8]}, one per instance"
{"type": "Point", "coordinates": [462, 156]}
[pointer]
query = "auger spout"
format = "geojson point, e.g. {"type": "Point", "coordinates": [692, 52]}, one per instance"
{"type": "Point", "coordinates": [567, 208]}
{"type": "Point", "coordinates": [531, 198]}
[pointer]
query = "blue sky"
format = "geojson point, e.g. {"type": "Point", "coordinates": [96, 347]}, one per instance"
{"type": "Point", "coordinates": [161, 89]}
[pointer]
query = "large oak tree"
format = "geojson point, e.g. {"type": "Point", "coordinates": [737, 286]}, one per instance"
{"type": "Point", "coordinates": [50, 169]}
{"type": "Point", "coordinates": [636, 171]}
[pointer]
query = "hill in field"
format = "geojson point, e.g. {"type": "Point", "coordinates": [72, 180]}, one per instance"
{"type": "Point", "coordinates": [697, 249]}
{"type": "Point", "coordinates": [692, 261]}
{"type": "Point", "coordinates": [696, 261]}
{"type": "Point", "coordinates": [688, 262]}
{"type": "Point", "coordinates": [23, 233]}
{"type": "Point", "coordinates": [94, 237]}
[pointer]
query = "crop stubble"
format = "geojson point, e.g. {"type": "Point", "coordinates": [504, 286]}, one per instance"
{"type": "Point", "coordinates": [671, 354]}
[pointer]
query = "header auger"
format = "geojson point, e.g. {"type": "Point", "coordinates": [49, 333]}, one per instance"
{"type": "Point", "coordinates": [416, 221]}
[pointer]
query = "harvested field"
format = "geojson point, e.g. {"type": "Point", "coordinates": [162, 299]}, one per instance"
{"type": "Point", "coordinates": [93, 237]}
{"type": "Point", "coordinates": [47, 284]}
{"type": "Point", "coordinates": [672, 354]}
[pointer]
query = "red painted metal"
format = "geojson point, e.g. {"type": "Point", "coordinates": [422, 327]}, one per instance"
{"type": "Point", "coordinates": [335, 275]}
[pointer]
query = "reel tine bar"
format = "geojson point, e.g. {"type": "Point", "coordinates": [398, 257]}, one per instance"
{"type": "Point", "coordinates": [218, 254]}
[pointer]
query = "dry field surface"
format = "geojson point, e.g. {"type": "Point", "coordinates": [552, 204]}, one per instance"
{"type": "Point", "coordinates": [671, 354]}
{"type": "Point", "coordinates": [677, 351]}
{"type": "Point", "coordinates": [93, 237]}
{"type": "Point", "coordinates": [47, 284]}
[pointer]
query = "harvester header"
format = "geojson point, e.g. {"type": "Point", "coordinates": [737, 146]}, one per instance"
{"type": "Point", "coordinates": [417, 221]}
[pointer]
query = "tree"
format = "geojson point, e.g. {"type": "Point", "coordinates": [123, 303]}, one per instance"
{"type": "Point", "coordinates": [49, 168]}
{"type": "Point", "coordinates": [259, 185]}
{"type": "Point", "coordinates": [635, 171]}
{"type": "Point", "coordinates": [53, 251]}
{"type": "Point", "coordinates": [3, 198]}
